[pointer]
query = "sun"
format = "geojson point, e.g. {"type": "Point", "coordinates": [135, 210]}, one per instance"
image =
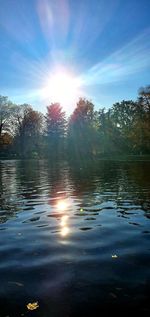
{"type": "Point", "coordinates": [62, 87]}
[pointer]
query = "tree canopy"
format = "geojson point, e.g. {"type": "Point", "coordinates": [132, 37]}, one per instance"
{"type": "Point", "coordinates": [123, 128]}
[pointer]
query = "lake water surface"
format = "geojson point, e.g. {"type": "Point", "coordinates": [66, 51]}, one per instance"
{"type": "Point", "coordinates": [74, 238]}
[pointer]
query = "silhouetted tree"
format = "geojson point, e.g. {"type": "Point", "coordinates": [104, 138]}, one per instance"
{"type": "Point", "coordinates": [28, 129]}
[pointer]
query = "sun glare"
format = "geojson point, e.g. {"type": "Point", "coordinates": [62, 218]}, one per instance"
{"type": "Point", "coordinates": [61, 205]}
{"type": "Point", "coordinates": [62, 87]}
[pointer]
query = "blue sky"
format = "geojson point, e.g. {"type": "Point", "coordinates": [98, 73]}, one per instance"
{"type": "Point", "coordinates": [106, 44]}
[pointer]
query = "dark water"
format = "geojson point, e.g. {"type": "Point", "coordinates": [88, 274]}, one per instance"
{"type": "Point", "coordinates": [74, 238]}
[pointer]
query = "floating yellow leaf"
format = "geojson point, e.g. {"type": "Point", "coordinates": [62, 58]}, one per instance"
{"type": "Point", "coordinates": [81, 209]}
{"type": "Point", "coordinates": [15, 283]}
{"type": "Point", "coordinates": [32, 306]}
{"type": "Point", "coordinates": [114, 256]}
{"type": "Point", "coordinates": [113, 295]}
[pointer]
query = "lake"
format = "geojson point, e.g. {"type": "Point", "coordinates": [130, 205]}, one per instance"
{"type": "Point", "coordinates": [75, 238]}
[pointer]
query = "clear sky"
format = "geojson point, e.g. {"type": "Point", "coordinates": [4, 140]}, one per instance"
{"type": "Point", "coordinates": [102, 47]}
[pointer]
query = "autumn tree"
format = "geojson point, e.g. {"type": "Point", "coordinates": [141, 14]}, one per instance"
{"type": "Point", "coordinates": [81, 130]}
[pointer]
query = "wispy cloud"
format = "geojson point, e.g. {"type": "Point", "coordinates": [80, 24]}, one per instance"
{"type": "Point", "coordinates": [132, 58]}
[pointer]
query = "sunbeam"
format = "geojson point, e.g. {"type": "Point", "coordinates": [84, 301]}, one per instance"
{"type": "Point", "coordinates": [70, 49]}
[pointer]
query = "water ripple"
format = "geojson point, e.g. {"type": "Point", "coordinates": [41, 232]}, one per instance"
{"type": "Point", "coordinates": [69, 230]}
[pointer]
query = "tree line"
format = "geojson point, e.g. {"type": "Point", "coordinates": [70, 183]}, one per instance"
{"type": "Point", "coordinates": [122, 129]}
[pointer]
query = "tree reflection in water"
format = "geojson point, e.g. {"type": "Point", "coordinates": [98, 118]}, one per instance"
{"type": "Point", "coordinates": [27, 184]}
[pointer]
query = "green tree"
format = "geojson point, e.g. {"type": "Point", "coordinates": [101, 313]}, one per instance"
{"type": "Point", "coordinates": [141, 132]}
{"type": "Point", "coordinates": [106, 131]}
{"type": "Point", "coordinates": [123, 116]}
{"type": "Point", "coordinates": [55, 130]}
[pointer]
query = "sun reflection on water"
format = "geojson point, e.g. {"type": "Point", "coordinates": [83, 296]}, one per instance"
{"type": "Point", "coordinates": [64, 220]}
{"type": "Point", "coordinates": [64, 226]}
{"type": "Point", "coordinates": [62, 206]}
{"type": "Point", "coordinates": [64, 231]}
